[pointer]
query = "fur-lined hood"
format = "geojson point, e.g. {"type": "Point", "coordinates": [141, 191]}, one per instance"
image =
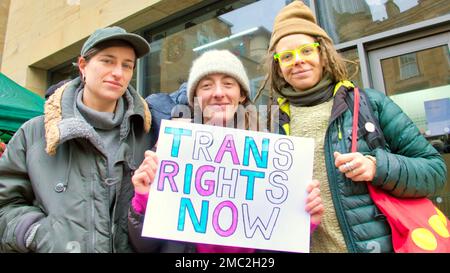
{"type": "Point", "coordinates": [61, 124]}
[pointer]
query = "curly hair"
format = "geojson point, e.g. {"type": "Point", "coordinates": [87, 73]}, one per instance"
{"type": "Point", "coordinates": [332, 61]}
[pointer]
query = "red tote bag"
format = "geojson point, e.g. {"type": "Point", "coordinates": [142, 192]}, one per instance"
{"type": "Point", "coordinates": [417, 225]}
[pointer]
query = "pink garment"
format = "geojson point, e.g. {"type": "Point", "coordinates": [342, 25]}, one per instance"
{"type": "Point", "coordinates": [139, 202]}
{"type": "Point", "coordinates": [312, 228]}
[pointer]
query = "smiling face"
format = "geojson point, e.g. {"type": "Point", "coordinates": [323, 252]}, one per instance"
{"type": "Point", "coordinates": [220, 96]}
{"type": "Point", "coordinates": [108, 74]}
{"type": "Point", "coordinates": [302, 73]}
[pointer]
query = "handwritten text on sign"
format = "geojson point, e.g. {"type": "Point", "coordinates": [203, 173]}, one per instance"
{"type": "Point", "coordinates": [230, 187]}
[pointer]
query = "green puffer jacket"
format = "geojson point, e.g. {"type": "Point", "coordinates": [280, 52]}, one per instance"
{"type": "Point", "coordinates": [53, 175]}
{"type": "Point", "coordinates": [408, 167]}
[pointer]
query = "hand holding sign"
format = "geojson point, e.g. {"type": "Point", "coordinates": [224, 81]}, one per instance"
{"type": "Point", "coordinates": [314, 204]}
{"type": "Point", "coordinates": [143, 177]}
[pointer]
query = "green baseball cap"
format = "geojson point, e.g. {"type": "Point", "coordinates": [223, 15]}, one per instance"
{"type": "Point", "coordinates": [140, 45]}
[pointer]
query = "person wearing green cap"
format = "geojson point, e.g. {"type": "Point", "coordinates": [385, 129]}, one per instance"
{"type": "Point", "coordinates": [65, 179]}
{"type": "Point", "coordinates": [309, 81]}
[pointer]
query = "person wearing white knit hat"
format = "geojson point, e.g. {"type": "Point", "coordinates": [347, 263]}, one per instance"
{"type": "Point", "coordinates": [218, 79]}
{"type": "Point", "coordinates": [219, 82]}
{"type": "Point", "coordinates": [217, 61]}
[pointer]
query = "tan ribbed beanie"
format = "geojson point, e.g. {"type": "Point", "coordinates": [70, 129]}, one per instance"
{"type": "Point", "coordinates": [295, 18]}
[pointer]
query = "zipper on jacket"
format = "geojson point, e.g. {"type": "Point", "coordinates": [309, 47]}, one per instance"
{"type": "Point", "coordinates": [92, 223]}
{"type": "Point", "coordinates": [117, 188]}
{"type": "Point", "coordinates": [329, 161]}
{"type": "Point", "coordinates": [338, 123]}
{"type": "Point", "coordinates": [111, 188]}
{"type": "Point", "coordinates": [108, 190]}
{"type": "Point", "coordinates": [113, 217]}
{"type": "Point", "coordinates": [113, 227]}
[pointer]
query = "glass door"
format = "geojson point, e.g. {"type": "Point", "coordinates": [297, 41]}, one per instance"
{"type": "Point", "coordinates": [416, 76]}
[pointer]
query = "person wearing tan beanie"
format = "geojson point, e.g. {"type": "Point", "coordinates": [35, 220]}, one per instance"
{"type": "Point", "coordinates": [309, 82]}
{"type": "Point", "coordinates": [295, 18]}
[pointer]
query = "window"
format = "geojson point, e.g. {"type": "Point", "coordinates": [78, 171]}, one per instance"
{"type": "Point", "coordinates": [401, 73]}
{"type": "Point", "coordinates": [65, 71]}
{"type": "Point", "coordinates": [219, 26]}
{"type": "Point", "coordinates": [417, 92]}
{"type": "Point", "coordinates": [408, 66]}
{"type": "Point", "coordinates": [423, 94]}
{"type": "Point", "coordinates": [346, 20]}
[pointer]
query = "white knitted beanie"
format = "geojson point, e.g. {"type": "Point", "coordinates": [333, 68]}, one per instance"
{"type": "Point", "coordinates": [216, 61]}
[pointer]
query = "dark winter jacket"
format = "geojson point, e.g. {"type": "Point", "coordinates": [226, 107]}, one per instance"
{"type": "Point", "coordinates": [408, 167]}
{"type": "Point", "coordinates": [54, 176]}
{"type": "Point", "coordinates": [163, 105]}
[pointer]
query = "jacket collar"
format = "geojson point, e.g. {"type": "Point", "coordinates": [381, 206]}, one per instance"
{"type": "Point", "coordinates": [340, 91]}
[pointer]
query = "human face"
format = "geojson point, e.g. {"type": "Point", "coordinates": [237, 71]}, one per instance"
{"type": "Point", "coordinates": [302, 73]}
{"type": "Point", "coordinates": [220, 96]}
{"type": "Point", "coordinates": [107, 74]}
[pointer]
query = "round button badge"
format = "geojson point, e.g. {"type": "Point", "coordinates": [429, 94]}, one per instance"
{"type": "Point", "coordinates": [370, 127]}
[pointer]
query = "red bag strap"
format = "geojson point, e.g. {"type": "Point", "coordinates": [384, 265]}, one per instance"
{"type": "Point", "coordinates": [355, 120]}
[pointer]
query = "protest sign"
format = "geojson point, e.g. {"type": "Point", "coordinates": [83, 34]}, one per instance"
{"type": "Point", "coordinates": [224, 186]}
